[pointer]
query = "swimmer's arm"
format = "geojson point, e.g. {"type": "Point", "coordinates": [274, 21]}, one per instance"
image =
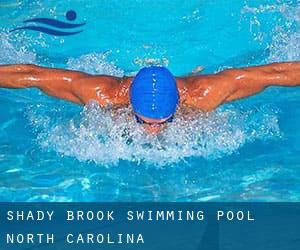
{"type": "Point", "coordinates": [54, 82]}
{"type": "Point", "coordinates": [207, 92]}
{"type": "Point", "coordinates": [74, 86]}
{"type": "Point", "coordinates": [255, 79]}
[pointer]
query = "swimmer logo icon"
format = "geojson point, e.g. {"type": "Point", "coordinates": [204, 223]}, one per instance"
{"type": "Point", "coordinates": [58, 28]}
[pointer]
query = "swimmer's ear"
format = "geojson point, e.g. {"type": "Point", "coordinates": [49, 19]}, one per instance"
{"type": "Point", "coordinates": [196, 71]}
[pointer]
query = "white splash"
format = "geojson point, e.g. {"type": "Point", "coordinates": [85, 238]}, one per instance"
{"type": "Point", "coordinates": [285, 42]}
{"type": "Point", "coordinates": [12, 51]}
{"type": "Point", "coordinates": [95, 63]}
{"type": "Point", "coordinates": [143, 62]}
{"type": "Point", "coordinates": [106, 136]}
{"type": "Point", "coordinates": [285, 45]}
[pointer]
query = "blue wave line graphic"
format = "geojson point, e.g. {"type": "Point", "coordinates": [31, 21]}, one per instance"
{"type": "Point", "coordinates": [47, 31]}
{"type": "Point", "coordinates": [54, 23]}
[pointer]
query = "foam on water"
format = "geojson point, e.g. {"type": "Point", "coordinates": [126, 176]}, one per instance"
{"type": "Point", "coordinates": [106, 136]}
{"type": "Point", "coordinates": [285, 44]}
{"type": "Point", "coordinates": [285, 37]}
{"type": "Point", "coordinates": [13, 51]}
{"type": "Point", "coordinates": [95, 63]}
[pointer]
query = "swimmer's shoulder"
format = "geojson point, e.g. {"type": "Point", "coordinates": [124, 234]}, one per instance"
{"type": "Point", "coordinates": [190, 86]}
{"type": "Point", "coordinates": [106, 90]}
{"type": "Point", "coordinates": [205, 92]}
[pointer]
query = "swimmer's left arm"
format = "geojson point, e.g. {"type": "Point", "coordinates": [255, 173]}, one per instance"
{"type": "Point", "coordinates": [207, 92]}
{"type": "Point", "coordinates": [252, 80]}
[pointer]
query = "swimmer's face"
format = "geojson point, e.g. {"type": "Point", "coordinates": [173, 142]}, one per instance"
{"type": "Point", "coordinates": [153, 126]}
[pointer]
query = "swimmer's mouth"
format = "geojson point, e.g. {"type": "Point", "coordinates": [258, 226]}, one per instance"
{"type": "Point", "coordinates": [141, 121]}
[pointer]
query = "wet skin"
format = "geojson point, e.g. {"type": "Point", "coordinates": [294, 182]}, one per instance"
{"type": "Point", "coordinates": [203, 92]}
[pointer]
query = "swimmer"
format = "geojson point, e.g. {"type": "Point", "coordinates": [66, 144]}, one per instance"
{"type": "Point", "coordinates": [154, 93]}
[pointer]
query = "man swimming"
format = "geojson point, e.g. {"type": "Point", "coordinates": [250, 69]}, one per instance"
{"type": "Point", "coordinates": [153, 93]}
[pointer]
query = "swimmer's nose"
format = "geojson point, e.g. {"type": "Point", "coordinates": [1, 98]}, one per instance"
{"type": "Point", "coordinates": [153, 129]}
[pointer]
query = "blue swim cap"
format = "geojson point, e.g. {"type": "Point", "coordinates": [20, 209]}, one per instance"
{"type": "Point", "coordinates": [154, 93]}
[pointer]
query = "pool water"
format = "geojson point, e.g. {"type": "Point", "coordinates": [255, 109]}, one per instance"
{"type": "Point", "coordinates": [248, 150]}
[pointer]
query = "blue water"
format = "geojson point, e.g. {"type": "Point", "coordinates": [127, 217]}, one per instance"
{"type": "Point", "coordinates": [248, 150]}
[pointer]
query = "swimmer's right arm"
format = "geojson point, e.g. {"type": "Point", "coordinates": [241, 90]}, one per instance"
{"type": "Point", "coordinates": [54, 82]}
{"type": "Point", "coordinates": [74, 86]}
